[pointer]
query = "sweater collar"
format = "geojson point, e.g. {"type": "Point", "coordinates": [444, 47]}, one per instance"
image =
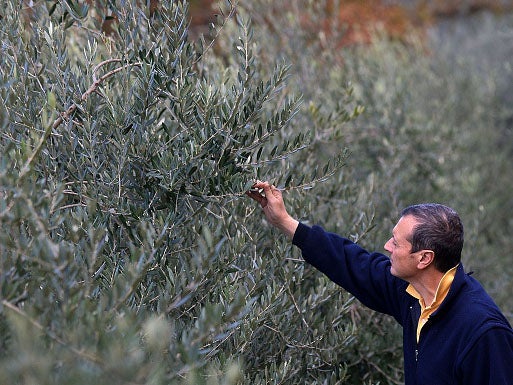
{"type": "Point", "coordinates": [457, 283]}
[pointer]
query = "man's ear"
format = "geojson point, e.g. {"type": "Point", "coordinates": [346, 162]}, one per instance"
{"type": "Point", "coordinates": [427, 257]}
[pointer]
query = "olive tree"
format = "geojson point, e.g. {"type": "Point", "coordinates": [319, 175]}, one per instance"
{"type": "Point", "coordinates": [128, 251]}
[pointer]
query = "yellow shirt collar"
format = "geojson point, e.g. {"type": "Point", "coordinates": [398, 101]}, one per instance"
{"type": "Point", "coordinates": [441, 292]}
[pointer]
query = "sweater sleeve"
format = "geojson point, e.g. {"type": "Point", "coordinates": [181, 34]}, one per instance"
{"type": "Point", "coordinates": [490, 360]}
{"type": "Point", "coordinates": [365, 275]}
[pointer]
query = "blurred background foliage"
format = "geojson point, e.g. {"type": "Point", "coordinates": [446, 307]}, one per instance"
{"type": "Point", "coordinates": [130, 131]}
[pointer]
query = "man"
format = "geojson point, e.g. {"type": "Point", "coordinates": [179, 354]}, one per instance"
{"type": "Point", "coordinates": [453, 333]}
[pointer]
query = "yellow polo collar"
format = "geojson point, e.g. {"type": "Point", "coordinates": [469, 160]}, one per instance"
{"type": "Point", "coordinates": [441, 292]}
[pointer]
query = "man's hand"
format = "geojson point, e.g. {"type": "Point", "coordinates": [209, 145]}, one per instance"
{"type": "Point", "coordinates": [270, 199]}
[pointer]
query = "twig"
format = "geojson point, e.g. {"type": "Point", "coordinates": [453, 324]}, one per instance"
{"type": "Point", "coordinates": [7, 209]}
{"type": "Point", "coordinates": [97, 67]}
{"type": "Point", "coordinates": [233, 7]}
{"type": "Point", "coordinates": [26, 167]}
{"type": "Point", "coordinates": [297, 308]}
{"type": "Point", "coordinates": [80, 353]}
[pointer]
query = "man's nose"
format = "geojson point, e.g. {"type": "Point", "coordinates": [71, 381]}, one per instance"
{"type": "Point", "coordinates": [387, 246]}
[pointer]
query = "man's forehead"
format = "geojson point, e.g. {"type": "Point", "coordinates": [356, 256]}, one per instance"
{"type": "Point", "coordinates": [405, 225]}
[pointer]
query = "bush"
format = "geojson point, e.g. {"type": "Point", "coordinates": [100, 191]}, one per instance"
{"type": "Point", "coordinates": [127, 254]}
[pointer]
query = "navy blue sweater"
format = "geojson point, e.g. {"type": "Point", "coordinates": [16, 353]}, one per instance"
{"type": "Point", "coordinates": [467, 341]}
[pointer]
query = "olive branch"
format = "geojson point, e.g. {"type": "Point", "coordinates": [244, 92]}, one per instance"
{"type": "Point", "coordinates": [71, 109]}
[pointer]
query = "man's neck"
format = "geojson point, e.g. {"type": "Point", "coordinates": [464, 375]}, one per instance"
{"type": "Point", "coordinates": [427, 285]}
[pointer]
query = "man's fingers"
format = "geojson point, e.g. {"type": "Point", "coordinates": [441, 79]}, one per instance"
{"type": "Point", "coordinates": [255, 190]}
{"type": "Point", "coordinates": [254, 194]}
{"type": "Point", "coordinates": [264, 192]}
{"type": "Point", "coordinates": [257, 196]}
{"type": "Point", "coordinates": [273, 192]}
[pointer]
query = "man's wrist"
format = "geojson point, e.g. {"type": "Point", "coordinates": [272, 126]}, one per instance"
{"type": "Point", "coordinates": [289, 226]}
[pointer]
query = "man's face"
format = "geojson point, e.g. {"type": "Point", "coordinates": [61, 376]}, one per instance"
{"type": "Point", "coordinates": [404, 262]}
